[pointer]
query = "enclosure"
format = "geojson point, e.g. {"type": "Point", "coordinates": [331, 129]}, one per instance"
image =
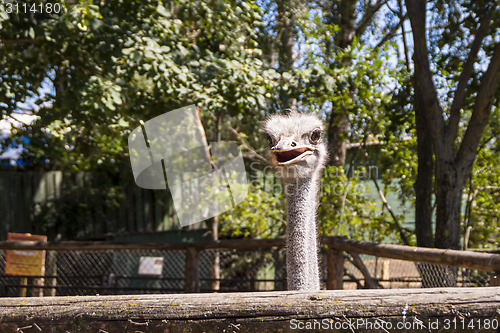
{"type": "Point", "coordinates": [466, 309]}
{"type": "Point", "coordinates": [90, 268]}
{"type": "Point", "coordinates": [406, 97]}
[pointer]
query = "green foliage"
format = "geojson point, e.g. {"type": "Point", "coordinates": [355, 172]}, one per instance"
{"type": "Point", "coordinates": [113, 64]}
{"type": "Point", "coordinates": [483, 191]}
{"type": "Point", "coordinates": [367, 85]}
{"type": "Point", "coordinates": [261, 215]}
{"type": "Point", "coordinates": [345, 210]}
{"type": "Point", "coordinates": [92, 72]}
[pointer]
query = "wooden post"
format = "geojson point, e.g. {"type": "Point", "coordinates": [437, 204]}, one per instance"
{"type": "Point", "coordinates": [495, 279]}
{"type": "Point", "coordinates": [192, 270]}
{"type": "Point", "coordinates": [37, 289]}
{"type": "Point", "coordinates": [214, 271]}
{"type": "Point", "coordinates": [24, 286]}
{"type": "Point", "coordinates": [386, 270]}
{"type": "Point", "coordinates": [334, 269]}
{"type": "Point", "coordinates": [279, 269]}
{"type": "Point", "coordinates": [51, 271]}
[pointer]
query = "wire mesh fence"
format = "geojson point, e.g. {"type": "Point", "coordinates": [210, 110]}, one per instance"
{"type": "Point", "coordinates": [393, 273]}
{"type": "Point", "coordinates": [121, 272]}
{"type": "Point", "coordinates": [146, 271]}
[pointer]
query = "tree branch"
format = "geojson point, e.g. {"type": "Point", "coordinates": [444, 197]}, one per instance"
{"type": "Point", "coordinates": [467, 70]}
{"type": "Point", "coordinates": [22, 41]}
{"type": "Point", "coordinates": [480, 114]}
{"type": "Point", "coordinates": [392, 32]}
{"type": "Point", "coordinates": [246, 146]}
{"type": "Point", "coordinates": [424, 86]}
{"type": "Point", "coordinates": [370, 282]}
{"type": "Point", "coordinates": [403, 33]}
{"type": "Point", "coordinates": [370, 12]}
{"type": "Point", "coordinates": [386, 205]}
{"type": "Point", "coordinates": [19, 121]}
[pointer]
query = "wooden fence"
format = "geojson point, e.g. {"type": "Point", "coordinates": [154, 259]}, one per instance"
{"type": "Point", "coordinates": [335, 247]}
{"type": "Point", "coordinates": [81, 205]}
{"type": "Point", "coordinates": [396, 310]}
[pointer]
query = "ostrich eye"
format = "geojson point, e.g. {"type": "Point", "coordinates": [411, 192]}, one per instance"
{"type": "Point", "coordinates": [270, 140]}
{"type": "Point", "coordinates": [315, 136]}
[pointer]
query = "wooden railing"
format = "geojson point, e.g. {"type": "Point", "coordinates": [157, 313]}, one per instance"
{"type": "Point", "coordinates": [489, 262]}
{"type": "Point", "coordinates": [335, 247]}
{"type": "Point", "coordinates": [409, 310]}
{"type": "Point", "coordinates": [382, 310]}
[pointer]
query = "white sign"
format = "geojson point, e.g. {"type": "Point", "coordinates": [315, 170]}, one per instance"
{"type": "Point", "coordinates": [150, 265]}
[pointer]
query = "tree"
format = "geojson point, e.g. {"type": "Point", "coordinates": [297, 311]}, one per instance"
{"type": "Point", "coordinates": [107, 76]}
{"type": "Point", "coordinates": [454, 155]}
{"type": "Point", "coordinates": [288, 12]}
{"type": "Point", "coordinates": [350, 20]}
{"type": "Point", "coordinates": [353, 87]}
{"type": "Point", "coordinates": [111, 65]}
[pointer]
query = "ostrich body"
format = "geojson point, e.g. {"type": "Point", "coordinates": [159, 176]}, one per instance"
{"type": "Point", "coordinates": [299, 154]}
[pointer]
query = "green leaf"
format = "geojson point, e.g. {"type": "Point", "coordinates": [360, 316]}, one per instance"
{"type": "Point", "coordinates": [163, 11]}
{"type": "Point", "coordinates": [3, 15]}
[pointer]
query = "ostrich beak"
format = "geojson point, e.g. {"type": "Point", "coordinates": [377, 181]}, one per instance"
{"type": "Point", "coordinates": [289, 156]}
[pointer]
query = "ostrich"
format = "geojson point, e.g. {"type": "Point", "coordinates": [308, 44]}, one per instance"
{"type": "Point", "coordinates": [299, 154]}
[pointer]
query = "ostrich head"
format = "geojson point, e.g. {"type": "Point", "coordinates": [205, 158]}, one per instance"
{"type": "Point", "coordinates": [297, 147]}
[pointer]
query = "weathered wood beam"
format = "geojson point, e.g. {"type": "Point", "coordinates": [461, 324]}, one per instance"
{"type": "Point", "coordinates": [489, 262]}
{"type": "Point", "coordinates": [86, 245]}
{"type": "Point", "coordinates": [397, 310]}
{"type": "Point", "coordinates": [469, 259]}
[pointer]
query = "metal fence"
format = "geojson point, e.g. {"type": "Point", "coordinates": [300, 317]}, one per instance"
{"type": "Point", "coordinates": [122, 272]}
{"type": "Point", "coordinates": [393, 273]}
{"type": "Point", "coordinates": [175, 269]}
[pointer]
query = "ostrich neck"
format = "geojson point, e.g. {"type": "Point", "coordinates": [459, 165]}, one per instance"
{"type": "Point", "coordinates": [302, 249]}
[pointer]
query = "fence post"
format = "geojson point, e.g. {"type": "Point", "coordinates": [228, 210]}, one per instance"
{"type": "Point", "coordinates": [23, 288]}
{"type": "Point", "coordinates": [51, 272]}
{"type": "Point", "coordinates": [495, 279]}
{"type": "Point", "coordinates": [109, 281]}
{"type": "Point", "coordinates": [334, 269]}
{"type": "Point", "coordinates": [192, 270]}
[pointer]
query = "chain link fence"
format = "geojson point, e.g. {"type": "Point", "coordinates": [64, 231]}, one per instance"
{"type": "Point", "coordinates": [393, 273]}
{"type": "Point", "coordinates": [121, 272]}
{"type": "Point", "coordinates": [146, 271]}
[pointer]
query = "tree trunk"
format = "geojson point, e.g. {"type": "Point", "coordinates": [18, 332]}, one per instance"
{"type": "Point", "coordinates": [286, 33]}
{"type": "Point", "coordinates": [347, 23]}
{"type": "Point", "coordinates": [338, 125]}
{"type": "Point", "coordinates": [423, 184]}
{"type": "Point", "coordinates": [432, 275]}
{"type": "Point", "coordinates": [449, 189]}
